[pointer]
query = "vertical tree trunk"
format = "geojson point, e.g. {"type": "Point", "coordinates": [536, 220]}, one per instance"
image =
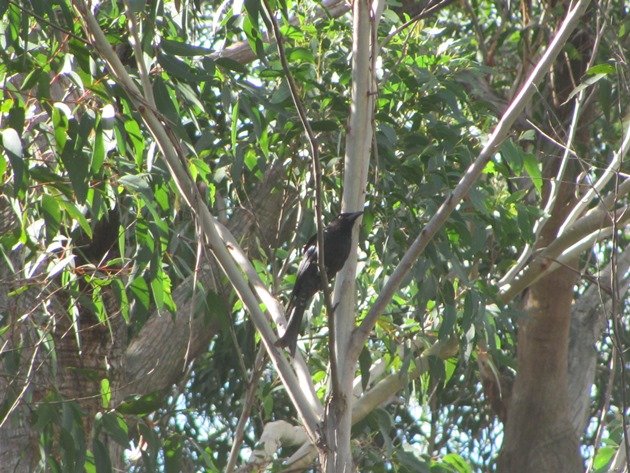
{"type": "Point", "coordinates": [336, 452]}
{"type": "Point", "coordinates": [539, 436]}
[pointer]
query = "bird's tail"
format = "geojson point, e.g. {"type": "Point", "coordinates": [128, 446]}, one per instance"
{"type": "Point", "coordinates": [289, 339]}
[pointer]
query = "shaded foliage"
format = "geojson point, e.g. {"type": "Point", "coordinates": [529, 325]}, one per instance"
{"type": "Point", "coordinates": [76, 154]}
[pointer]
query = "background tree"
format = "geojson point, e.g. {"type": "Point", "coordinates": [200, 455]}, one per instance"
{"type": "Point", "coordinates": [158, 184]}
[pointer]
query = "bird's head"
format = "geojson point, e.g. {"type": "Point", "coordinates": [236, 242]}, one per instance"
{"type": "Point", "coordinates": [349, 217]}
{"type": "Point", "coordinates": [346, 219]}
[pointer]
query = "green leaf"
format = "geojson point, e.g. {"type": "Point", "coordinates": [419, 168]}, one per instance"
{"type": "Point", "coordinates": [234, 127]}
{"type": "Point", "coordinates": [121, 297]}
{"type": "Point", "coordinates": [59, 265]}
{"type": "Point", "coordinates": [76, 162]}
{"type": "Point", "coordinates": [325, 125]}
{"type": "Point", "coordinates": [44, 415]}
{"type": "Point", "coordinates": [384, 422]}
{"type": "Point", "coordinates": [437, 370]}
{"type": "Point", "coordinates": [179, 48]}
{"type": "Point", "coordinates": [52, 216]}
{"type": "Point", "coordinates": [106, 393]}
{"type": "Point", "coordinates": [512, 155]}
{"type": "Point", "coordinates": [603, 458]}
{"type": "Point", "coordinates": [76, 215]}
{"type": "Point", "coordinates": [457, 463]}
{"type": "Point", "coordinates": [101, 457]}
{"type": "Point", "coordinates": [231, 65]}
{"type": "Point", "coordinates": [176, 67]}
{"type": "Point", "coordinates": [137, 6]}
{"type": "Point", "coordinates": [172, 454]}
{"type": "Point", "coordinates": [140, 405]}
{"type": "Point", "coordinates": [16, 117]}
{"type": "Point", "coordinates": [12, 143]}
{"type": "Point", "coordinates": [281, 94]}
{"type": "Point", "coordinates": [3, 166]}
{"type": "Point", "coordinates": [471, 309]}
{"type": "Point", "coordinates": [98, 151]}
{"type": "Point", "coordinates": [137, 183]}
{"type": "Point", "coordinates": [410, 463]}
{"type": "Point", "coordinates": [61, 115]}
{"type": "Point", "coordinates": [601, 69]}
{"type": "Point", "coordinates": [164, 102]}
{"type": "Point", "coordinates": [533, 170]}
{"type": "Point", "coordinates": [115, 425]}
{"type": "Point", "coordinates": [13, 147]}
{"type": "Point", "coordinates": [450, 366]}
{"type": "Point", "coordinates": [141, 296]}
{"type": "Point", "coordinates": [585, 84]}
{"type": "Point", "coordinates": [365, 363]}
{"type": "Point", "coordinates": [158, 289]}
{"type": "Point", "coordinates": [250, 27]}
{"type": "Point", "coordinates": [300, 54]}
{"type": "Point", "coordinates": [68, 449]}
{"type": "Point", "coordinates": [213, 306]}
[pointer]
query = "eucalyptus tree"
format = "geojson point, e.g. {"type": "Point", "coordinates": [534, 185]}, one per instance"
{"type": "Point", "coordinates": [165, 162]}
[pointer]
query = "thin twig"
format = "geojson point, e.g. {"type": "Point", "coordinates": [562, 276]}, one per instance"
{"type": "Point", "coordinates": [612, 169]}
{"type": "Point", "coordinates": [499, 134]}
{"type": "Point", "coordinates": [172, 151]}
{"type": "Point", "coordinates": [136, 45]}
{"type": "Point", "coordinates": [317, 173]}
{"type": "Point", "coordinates": [554, 184]}
{"type": "Point", "coordinates": [248, 403]}
{"type": "Point", "coordinates": [429, 9]}
{"type": "Point", "coordinates": [606, 396]}
{"type": "Point", "coordinates": [617, 314]}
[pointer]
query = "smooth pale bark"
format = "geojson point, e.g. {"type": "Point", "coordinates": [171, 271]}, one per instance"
{"type": "Point", "coordinates": [335, 451]}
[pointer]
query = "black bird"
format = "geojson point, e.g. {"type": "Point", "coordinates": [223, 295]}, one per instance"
{"type": "Point", "coordinates": [337, 239]}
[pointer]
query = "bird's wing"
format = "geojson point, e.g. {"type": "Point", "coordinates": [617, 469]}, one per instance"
{"type": "Point", "coordinates": [309, 261]}
{"type": "Point", "coordinates": [312, 242]}
{"type": "Point", "coordinates": [307, 279]}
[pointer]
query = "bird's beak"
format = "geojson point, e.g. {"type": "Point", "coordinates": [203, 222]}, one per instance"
{"type": "Point", "coordinates": [354, 215]}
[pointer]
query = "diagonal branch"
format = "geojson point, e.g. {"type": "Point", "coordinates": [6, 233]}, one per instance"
{"type": "Point", "coordinates": [612, 169]}
{"type": "Point", "coordinates": [583, 234]}
{"type": "Point", "coordinates": [172, 153]}
{"type": "Point", "coordinates": [317, 172]}
{"type": "Point", "coordinates": [499, 134]}
{"type": "Point", "coordinates": [242, 52]}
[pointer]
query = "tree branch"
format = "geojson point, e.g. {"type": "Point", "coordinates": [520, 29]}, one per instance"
{"type": "Point", "coordinates": [589, 229]}
{"type": "Point", "coordinates": [499, 134]}
{"type": "Point", "coordinates": [242, 52]}
{"type": "Point", "coordinates": [317, 173]}
{"type": "Point", "coordinates": [381, 394]}
{"type": "Point", "coordinates": [172, 153]}
{"type": "Point", "coordinates": [588, 320]}
{"type": "Point", "coordinates": [613, 168]}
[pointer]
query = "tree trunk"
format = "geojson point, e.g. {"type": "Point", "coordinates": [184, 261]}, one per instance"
{"type": "Point", "coordinates": [539, 434]}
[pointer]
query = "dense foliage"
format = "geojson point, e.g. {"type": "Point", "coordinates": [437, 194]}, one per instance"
{"type": "Point", "coordinates": [105, 239]}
